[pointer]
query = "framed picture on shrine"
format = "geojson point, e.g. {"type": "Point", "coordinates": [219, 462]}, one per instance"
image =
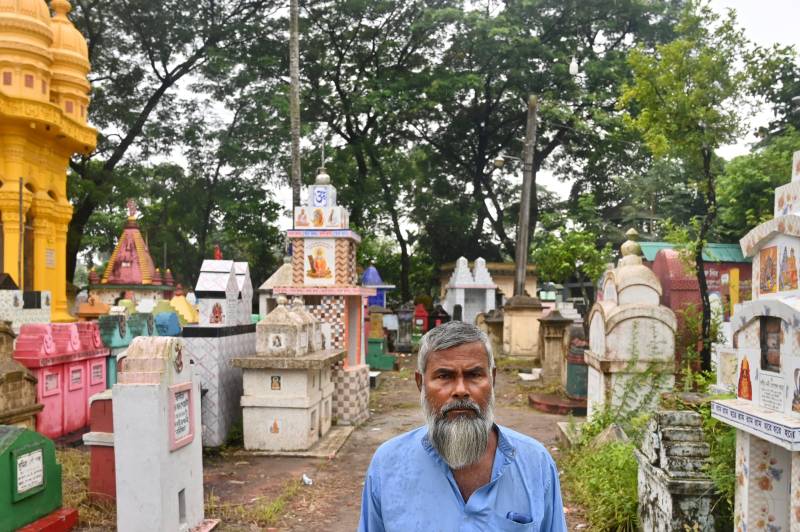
{"type": "Point", "coordinates": [181, 418]}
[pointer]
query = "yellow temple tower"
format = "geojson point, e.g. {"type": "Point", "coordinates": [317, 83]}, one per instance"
{"type": "Point", "coordinates": [44, 100]}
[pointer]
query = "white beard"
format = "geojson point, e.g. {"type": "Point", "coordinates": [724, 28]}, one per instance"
{"type": "Point", "coordinates": [460, 441]}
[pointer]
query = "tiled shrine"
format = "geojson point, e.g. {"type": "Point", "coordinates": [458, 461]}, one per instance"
{"type": "Point", "coordinates": [631, 355]}
{"type": "Point", "coordinates": [156, 412]}
{"type": "Point", "coordinates": [288, 391]}
{"type": "Point", "coordinates": [324, 274]}
{"type": "Point", "coordinates": [766, 341]}
{"type": "Point", "coordinates": [69, 363]}
{"type": "Point", "coordinates": [225, 299]}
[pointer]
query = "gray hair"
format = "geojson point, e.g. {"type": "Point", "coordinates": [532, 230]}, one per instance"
{"type": "Point", "coordinates": [451, 334]}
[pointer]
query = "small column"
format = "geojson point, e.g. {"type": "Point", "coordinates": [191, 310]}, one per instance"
{"type": "Point", "coordinates": [553, 345]}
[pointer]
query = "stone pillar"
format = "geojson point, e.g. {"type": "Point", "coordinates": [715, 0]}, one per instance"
{"type": "Point", "coordinates": [674, 491]}
{"type": "Point", "coordinates": [521, 327]}
{"type": "Point", "coordinates": [553, 344]}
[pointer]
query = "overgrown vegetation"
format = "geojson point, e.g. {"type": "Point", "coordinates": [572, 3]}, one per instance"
{"type": "Point", "coordinates": [260, 512]}
{"type": "Point", "coordinates": [75, 478]}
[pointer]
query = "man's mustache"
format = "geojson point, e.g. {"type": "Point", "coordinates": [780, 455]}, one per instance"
{"type": "Point", "coordinates": [460, 404]}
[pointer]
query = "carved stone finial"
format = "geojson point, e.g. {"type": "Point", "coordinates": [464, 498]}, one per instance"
{"type": "Point", "coordinates": [322, 177]}
{"type": "Point", "coordinates": [631, 246]}
{"type": "Point", "coordinates": [282, 300]}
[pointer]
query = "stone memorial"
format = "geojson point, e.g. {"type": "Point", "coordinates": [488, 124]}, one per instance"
{"type": "Point", "coordinates": [267, 300]}
{"type": "Point", "coordinates": [378, 357]}
{"type": "Point", "coordinates": [157, 446]}
{"type": "Point", "coordinates": [675, 491]}
{"type": "Point", "coordinates": [324, 273]}
{"type": "Point", "coordinates": [69, 364]}
{"type": "Point", "coordinates": [20, 307]}
{"type": "Point", "coordinates": [288, 389]}
{"type": "Point", "coordinates": [631, 353]}
{"type": "Point", "coordinates": [553, 346]}
{"type": "Point", "coordinates": [30, 483]}
{"type": "Point", "coordinates": [766, 341]}
{"type": "Point", "coordinates": [18, 404]}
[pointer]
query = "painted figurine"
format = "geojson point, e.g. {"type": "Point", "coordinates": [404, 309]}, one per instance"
{"type": "Point", "coordinates": [745, 390]}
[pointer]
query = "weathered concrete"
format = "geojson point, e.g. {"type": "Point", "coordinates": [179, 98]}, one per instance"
{"type": "Point", "coordinates": [674, 491]}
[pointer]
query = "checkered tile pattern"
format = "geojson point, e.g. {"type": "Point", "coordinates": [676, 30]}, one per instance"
{"type": "Point", "coordinates": [221, 383]}
{"type": "Point", "coordinates": [332, 311]}
{"type": "Point", "coordinates": [351, 394]}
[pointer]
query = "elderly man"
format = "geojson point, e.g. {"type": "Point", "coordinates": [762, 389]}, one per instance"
{"type": "Point", "coordinates": [461, 471]}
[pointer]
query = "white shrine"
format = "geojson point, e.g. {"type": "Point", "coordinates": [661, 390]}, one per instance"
{"type": "Point", "coordinates": [766, 342]}
{"type": "Point", "coordinates": [470, 293]}
{"type": "Point", "coordinates": [287, 401]}
{"type": "Point", "coordinates": [631, 355]}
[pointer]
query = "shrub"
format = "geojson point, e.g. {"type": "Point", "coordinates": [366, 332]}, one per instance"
{"type": "Point", "coordinates": [603, 479]}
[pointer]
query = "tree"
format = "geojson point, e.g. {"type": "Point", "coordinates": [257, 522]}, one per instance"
{"type": "Point", "coordinates": [363, 62]}
{"type": "Point", "coordinates": [685, 100]}
{"type": "Point", "coordinates": [495, 58]}
{"type": "Point", "coordinates": [141, 51]}
{"type": "Point", "coordinates": [746, 189]}
{"type": "Point", "coordinates": [564, 254]}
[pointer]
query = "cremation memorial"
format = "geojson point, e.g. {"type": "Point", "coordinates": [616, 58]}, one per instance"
{"type": "Point", "coordinates": [18, 404]}
{"type": "Point", "coordinates": [224, 293]}
{"type": "Point", "coordinates": [372, 278]}
{"type": "Point", "coordinates": [766, 340]}
{"type": "Point", "coordinates": [471, 291]}
{"type": "Point", "coordinates": [631, 353]}
{"type": "Point", "coordinates": [377, 356]}
{"type": "Point", "coordinates": [69, 364]}
{"type": "Point", "coordinates": [288, 391]}
{"type": "Point", "coordinates": [157, 446]}
{"type": "Point", "coordinates": [324, 273]}
{"type": "Point", "coordinates": [30, 483]}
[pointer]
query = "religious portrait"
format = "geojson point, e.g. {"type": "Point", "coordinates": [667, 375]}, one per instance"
{"type": "Point", "coordinates": [768, 270]}
{"type": "Point", "coordinates": [301, 218]}
{"type": "Point", "coordinates": [321, 257]}
{"type": "Point", "coordinates": [275, 382]}
{"type": "Point", "coordinates": [788, 275]}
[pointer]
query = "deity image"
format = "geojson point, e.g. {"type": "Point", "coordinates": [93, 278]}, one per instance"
{"type": "Point", "coordinates": [302, 219]}
{"type": "Point", "coordinates": [745, 388]}
{"type": "Point", "coordinates": [277, 343]}
{"type": "Point", "coordinates": [788, 276]}
{"type": "Point", "coordinates": [318, 219]}
{"type": "Point", "coordinates": [768, 262]}
{"type": "Point", "coordinates": [332, 218]}
{"type": "Point", "coordinates": [216, 314]}
{"type": "Point", "coordinates": [318, 265]}
{"type": "Point", "coordinates": [275, 382]}
{"type": "Point", "coordinates": [796, 397]}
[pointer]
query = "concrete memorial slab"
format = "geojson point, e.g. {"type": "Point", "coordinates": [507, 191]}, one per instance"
{"type": "Point", "coordinates": [157, 446]}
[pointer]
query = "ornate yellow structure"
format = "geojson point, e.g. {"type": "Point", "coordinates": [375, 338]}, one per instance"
{"type": "Point", "coordinates": [44, 99]}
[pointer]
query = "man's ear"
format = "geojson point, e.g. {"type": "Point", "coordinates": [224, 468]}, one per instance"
{"type": "Point", "coordinates": [418, 378]}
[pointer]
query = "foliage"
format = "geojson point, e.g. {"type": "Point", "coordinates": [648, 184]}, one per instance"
{"type": "Point", "coordinates": [560, 256]}
{"type": "Point", "coordinates": [604, 480]}
{"type": "Point", "coordinates": [383, 254]}
{"type": "Point", "coordinates": [686, 101]}
{"type": "Point", "coordinates": [746, 188]}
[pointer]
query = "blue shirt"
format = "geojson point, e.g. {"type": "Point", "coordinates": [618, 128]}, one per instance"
{"type": "Point", "coordinates": [409, 487]}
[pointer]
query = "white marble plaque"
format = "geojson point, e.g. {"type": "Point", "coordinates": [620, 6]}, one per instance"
{"type": "Point", "coordinates": [30, 471]}
{"type": "Point", "coordinates": [182, 415]}
{"type": "Point", "coordinates": [50, 258]}
{"type": "Point", "coordinates": [771, 391]}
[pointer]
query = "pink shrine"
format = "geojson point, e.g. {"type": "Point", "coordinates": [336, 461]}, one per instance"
{"type": "Point", "coordinates": [324, 275]}
{"type": "Point", "coordinates": [131, 273]}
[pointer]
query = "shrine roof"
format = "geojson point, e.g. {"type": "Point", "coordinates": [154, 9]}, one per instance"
{"type": "Point", "coordinates": [712, 252]}
{"type": "Point", "coordinates": [130, 262]}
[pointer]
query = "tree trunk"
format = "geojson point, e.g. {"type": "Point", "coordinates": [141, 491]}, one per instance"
{"type": "Point", "coordinates": [294, 99]}
{"type": "Point", "coordinates": [711, 211]}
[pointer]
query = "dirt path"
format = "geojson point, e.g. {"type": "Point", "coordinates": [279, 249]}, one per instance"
{"type": "Point", "coordinates": [333, 502]}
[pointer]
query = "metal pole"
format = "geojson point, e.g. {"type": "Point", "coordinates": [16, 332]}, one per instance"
{"type": "Point", "coordinates": [21, 239]}
{"type": "Point", "coordinates": [523, 232]}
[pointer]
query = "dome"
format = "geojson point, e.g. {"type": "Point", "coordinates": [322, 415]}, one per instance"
{"type": "Point", "coordinates": [25, 39]}
{"type": "Point", "coordinates": [35, 9]}
{"type": "Point", "coordinates": [70, 86]}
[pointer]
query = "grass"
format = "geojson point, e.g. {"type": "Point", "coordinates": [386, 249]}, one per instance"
{"type": "Point", "coordinates": [258, 512]}
{"type": "Point", "coordinates": [75, 474]}
{"type": "Point", "coordinates": [515, 364]}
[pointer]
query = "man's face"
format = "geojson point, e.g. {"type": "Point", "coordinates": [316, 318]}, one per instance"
{"type": "Point", "coordinates": [457, 396]}
{"type": "Point", "coordinates": [461, 372]}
